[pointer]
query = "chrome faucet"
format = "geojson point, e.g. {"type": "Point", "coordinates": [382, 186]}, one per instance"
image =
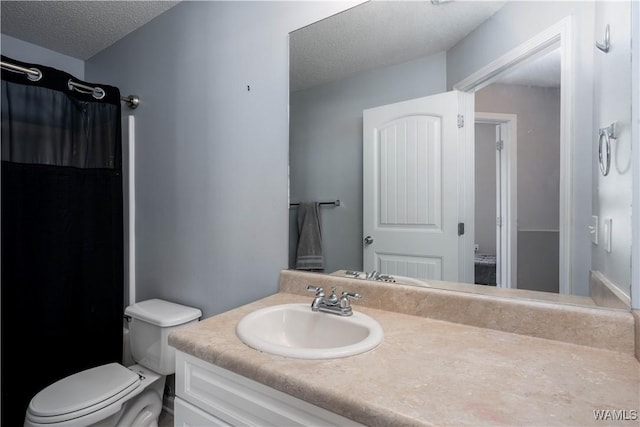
{"type": "Point", "coordinates": [319, 299]}
{"type": "Point", "coordinates": [385, 278]}
{"type": "Point", "coordinates": [332, 304]}
{"type": "Point", "coordinates": [375, 275]}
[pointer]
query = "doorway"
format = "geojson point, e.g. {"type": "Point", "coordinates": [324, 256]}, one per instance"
{"type": "Point", "coordinates": [532, 93]}
{"type": "Point", "coordinates": [555, 39]}
{"type": "Point", "coordinates": [496, 203]}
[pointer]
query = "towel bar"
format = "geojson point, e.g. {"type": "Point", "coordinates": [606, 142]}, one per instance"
{"type": "Point", "coordinates": [335, 203]}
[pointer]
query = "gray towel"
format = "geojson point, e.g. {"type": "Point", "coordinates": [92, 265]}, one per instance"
{"type": "Point", "coordinates": [309, 254]}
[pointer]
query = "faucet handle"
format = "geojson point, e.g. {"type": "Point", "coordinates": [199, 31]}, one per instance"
{"type": "Point", "coordinates": [346, 297]}
{"type": "Point", "coordinates": [319, 291]}
{"type": "Point", "coordinates": [351, 295]}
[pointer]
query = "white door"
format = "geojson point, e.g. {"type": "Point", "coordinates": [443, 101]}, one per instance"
{"type": "Point", "coordinates": [416, 193]}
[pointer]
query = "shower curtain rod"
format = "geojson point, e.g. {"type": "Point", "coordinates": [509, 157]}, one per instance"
{"type": "Point", "coordinates": [34, 74]}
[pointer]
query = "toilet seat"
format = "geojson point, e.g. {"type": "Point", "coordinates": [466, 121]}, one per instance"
{"type": "Point", "coordinates": [82, 393]}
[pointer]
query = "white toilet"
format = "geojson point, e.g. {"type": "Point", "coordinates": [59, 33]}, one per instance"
{"type": "Point", "coordinates": [112, 395]}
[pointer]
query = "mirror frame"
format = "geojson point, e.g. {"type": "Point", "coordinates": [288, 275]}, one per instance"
{"type": "Point", "coordinates": [474, 82]}
{"type": "Point", "coordinates": [635, 136]}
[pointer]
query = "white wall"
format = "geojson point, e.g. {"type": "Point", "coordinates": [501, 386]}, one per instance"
{"type": "Point", "coordinates": [612, 103]}
{"type": "Point", "coordinates": [326, 147]}
{"type": "Point", "coordinates": [512, 25]}
{"type": "Point", "coordinates": [29, 52]}
{"type": "Point", "coordinates": [211, 156]}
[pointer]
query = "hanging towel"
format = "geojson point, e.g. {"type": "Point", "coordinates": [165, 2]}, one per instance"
{"type": "Point", "coordinates": [309, 254]}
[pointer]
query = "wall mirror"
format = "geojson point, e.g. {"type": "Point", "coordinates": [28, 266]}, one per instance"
{"type": "Point", "coordinates": [537, 198]}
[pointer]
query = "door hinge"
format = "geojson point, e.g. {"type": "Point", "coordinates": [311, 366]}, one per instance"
{"type": "Point", "coordinates": [460, 228]}
{"type": "Point", "coordinates": [499, 221]}
{"type": "Point", "coordinates": [499, 145]}
{"type": "Point", "coordinates": [460, 120]}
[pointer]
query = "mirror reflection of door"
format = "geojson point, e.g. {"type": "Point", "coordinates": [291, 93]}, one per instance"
{"type": "Point", "coordinates": [411, 175]}
{"type": "Point", "coordinates": [531, 92]}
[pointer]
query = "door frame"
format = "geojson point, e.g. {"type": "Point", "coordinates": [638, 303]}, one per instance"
{"type": "Point", "coordinates": [635, 136]}
{"type": "Point", "coordinates": [507, 204]}
{"type": "Point", "coordinates": [466, 186]}
{"type": "Point", "coordinates": [130, 208]}
{"type": "Point", "coordinates": [559, 35]}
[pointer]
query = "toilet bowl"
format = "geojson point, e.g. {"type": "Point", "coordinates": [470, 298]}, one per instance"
{"type": "Point", "coordinates": [112, 394]}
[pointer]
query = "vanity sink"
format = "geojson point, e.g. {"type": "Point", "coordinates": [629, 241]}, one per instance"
{"type": "Point", "coordinates": [294, 330]}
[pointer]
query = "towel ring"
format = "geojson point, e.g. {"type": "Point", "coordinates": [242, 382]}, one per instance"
{"type": "Point", "coordinates": [606, 134]}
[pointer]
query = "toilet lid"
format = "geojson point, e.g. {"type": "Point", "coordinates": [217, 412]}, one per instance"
{"type": "Point", "coordinates": [90, 389]}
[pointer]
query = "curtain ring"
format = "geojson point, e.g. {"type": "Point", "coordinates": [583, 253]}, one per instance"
{"type": "Point", "coordinates": [37, 75]}
{"type": "Point", "coordinates": [98, 93]}
{"type": "Point", "coordinates": [604, 135]}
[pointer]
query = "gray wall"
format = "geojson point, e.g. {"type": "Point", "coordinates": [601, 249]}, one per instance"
{"type": "Point", "coordinates": [221, 45]}
{"type": "Point", "coordinates": [612, 101]}
{"type": "Point", "coordinates": [29, 52]}
{"type": "Point", "coordinates": [211, 157]}
{"type": "Point", "coordinates": [485, 182]}
{"type": "Point", "coordinates": [512, 25]}
{"type": "Point", "coordinates": [326, 147]}
{"type": "Point", "coordinates": [538, 112]}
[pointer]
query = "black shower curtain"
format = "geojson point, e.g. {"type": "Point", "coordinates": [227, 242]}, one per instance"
{"type": "Point", "coordinates": [62, 233]}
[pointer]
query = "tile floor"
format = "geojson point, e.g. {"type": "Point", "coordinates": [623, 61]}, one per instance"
{"type": "Point", "coordinates": [165, 419]}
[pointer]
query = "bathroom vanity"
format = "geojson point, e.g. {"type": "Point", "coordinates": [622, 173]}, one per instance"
{"type": "Point", "coordinates": [213, 396]}
{"type": "Point", "coordinates": [425, 371]}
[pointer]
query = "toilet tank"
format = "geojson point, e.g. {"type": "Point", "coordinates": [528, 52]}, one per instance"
{"type": "Point", "coordinates": [151, 322]}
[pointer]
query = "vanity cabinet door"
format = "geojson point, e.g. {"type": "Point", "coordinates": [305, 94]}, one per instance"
{"type": "Point", "coordinates": [235, 400]}
{"type": "Point", "coordinates": [186, 415]}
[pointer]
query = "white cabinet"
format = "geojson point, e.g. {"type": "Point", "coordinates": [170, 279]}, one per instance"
{"type": "Point", "coordinates": [209, 395]}
{"type": "Point", "coordinates": [186, 415]}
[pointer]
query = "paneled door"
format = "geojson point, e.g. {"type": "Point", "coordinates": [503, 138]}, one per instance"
{"type": "Point", "coordinates": [417, 201]}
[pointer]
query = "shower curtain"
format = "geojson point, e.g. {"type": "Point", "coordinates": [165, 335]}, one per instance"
{"type": "Point", "coordinates": [62, 233]}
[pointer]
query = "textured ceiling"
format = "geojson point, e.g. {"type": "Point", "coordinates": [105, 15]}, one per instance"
{"type": "Point", "coordinates": [379, 33]}
{"type": "Point", "coordinates": [373, 34]}
{"type": "Point", "coordinates": [79, 29]}
{"type": "Point", "coordinates": [542, 72]}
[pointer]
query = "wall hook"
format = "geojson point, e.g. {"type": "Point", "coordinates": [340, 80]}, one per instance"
{"type": "Point", "coordinates": [607, 41]}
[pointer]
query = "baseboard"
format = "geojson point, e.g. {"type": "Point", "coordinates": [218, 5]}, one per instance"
{"type": "Point", "coordinates": [605, 294]}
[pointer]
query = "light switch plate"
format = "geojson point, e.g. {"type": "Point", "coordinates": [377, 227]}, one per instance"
{"type": "Point", "coordinates": [593, 229]}
{"type": "Point", "coordinates": [606, 231]}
